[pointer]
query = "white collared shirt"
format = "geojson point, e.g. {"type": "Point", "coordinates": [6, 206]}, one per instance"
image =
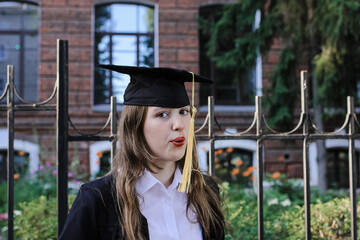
{"type": "Point", "coordinates": [165, 209]}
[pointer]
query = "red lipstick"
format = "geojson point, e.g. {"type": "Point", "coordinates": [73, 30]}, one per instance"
{"type": "Point", "coordinates": [178, 141]}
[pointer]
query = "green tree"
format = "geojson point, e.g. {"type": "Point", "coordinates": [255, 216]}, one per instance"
{"type": "Point", "coordinates": [322, 34]}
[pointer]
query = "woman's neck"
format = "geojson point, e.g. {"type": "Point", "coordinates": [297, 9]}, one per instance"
{"type": "Point", "coordinates": [166, 174]}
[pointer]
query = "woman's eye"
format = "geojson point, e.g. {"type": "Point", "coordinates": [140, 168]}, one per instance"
{"type": "Point", "coordinates": [184, 111]}
{"type": "Point", "coordinates": [162, 114]}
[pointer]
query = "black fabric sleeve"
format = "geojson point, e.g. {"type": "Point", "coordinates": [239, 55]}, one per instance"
{"type": "Point", "coordinates": [81, 222]}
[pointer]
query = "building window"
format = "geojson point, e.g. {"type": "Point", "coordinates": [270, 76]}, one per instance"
{"type": "Point", "coordinates": [124, 35]}
{"type": "Point", "coordinates": [337, 168]}
{"type": "Point", "coordinates": [104, 163]}
{"type": "Point", "coordinates": [234, 165]}
{"type": "Point", "coordinates": [19, 45]}
{"type": "Point", "coordinates": [230, 87]}
{"type": "Point", "coordinates": [21, 164]}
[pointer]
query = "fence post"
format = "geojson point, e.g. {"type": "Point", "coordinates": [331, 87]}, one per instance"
{"type": "Point", "coordinates": [113, 128]}
{"type": "Point", "coordinates": [306, 169]}
{"type": "Point", "coordinates": [352, 167]}
{"type": "Point", "coordinates": [260, 167]}
{"type": "Point", "coordinates": [62, 136]}
{"type": "Point", "coordinates": [10, 152]}
{"type": "Point", "coordinates": [211, 136]}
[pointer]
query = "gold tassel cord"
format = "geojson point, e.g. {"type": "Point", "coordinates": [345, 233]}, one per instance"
{"type": "Point", "coordinates": [184, 185]}
{"type": "Point", "coordinates": [186, 174]}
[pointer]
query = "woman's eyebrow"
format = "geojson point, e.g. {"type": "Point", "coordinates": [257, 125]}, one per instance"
{"type": "Point", "coordinates": [159, 108]}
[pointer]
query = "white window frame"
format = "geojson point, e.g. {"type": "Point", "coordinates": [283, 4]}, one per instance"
{"type": "Point", "coordinates": [246, 145]}
{"type": "Point", "coordinates": [101, 146]}
{"type": "Point", "coordinates": [119, 108]}
{"type": "Point", "coordinates": [329, 144]}
{"type": "Point", "coordinates": [22, 145]}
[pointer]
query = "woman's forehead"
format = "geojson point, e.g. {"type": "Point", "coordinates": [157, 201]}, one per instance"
{"type": "Point", "coordinates": [154, 108]}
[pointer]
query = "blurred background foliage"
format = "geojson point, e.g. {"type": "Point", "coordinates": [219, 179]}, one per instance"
{"type": "Point", "coordinates": [322, 35]}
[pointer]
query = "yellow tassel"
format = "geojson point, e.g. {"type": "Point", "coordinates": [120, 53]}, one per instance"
{"type": "Point", "coordinates": [188, 166]}
{"type": "Point", "coordinates": [186, 174]}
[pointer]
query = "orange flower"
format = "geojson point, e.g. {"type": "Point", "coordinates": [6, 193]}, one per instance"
{"type": "Point", "coordinates": [16, 176]}
{"type": "Point", "coordinates": [276, 175]}
{"type": "Point", "coordinates": [246, 173]}
{"type": "Point", "coordinates": [239, 163]}
{"type": "Point", "coordinates": [99, 154]}
{"type": "Point", "coordinates": [21, 153]}
{"type": "Point", "coordinates": [229, 150]}
{"type": "Point", "coordinates": [216, 160]}
{"type": "Point", "coordinates": [281, 158]}
{"type": "Point", "coordinates": [252, 178]}
{"type": "Point", "coordinates": [97, 162]}
{"type": "Point", "coordinates": [251, 169]}
{"type": "Point", "coordinates": [220, 151]}
{"type": "Point", "coordinates": [235, 171]}
{"type": "Point", "coordinates": [217, 166]}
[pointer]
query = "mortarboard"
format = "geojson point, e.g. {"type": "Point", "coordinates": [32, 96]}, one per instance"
{"type": "Point", "coordinates": [161, 87]}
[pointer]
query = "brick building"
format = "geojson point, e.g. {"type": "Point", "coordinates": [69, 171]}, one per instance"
{"type": "Point", "coordinates": [161, 33]}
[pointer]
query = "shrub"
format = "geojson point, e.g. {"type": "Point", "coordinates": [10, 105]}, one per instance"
{"type": "Point", "coordinates": [27, 188]}
{"type": "Point", "coordinates": [330, 220]}
{"type": "Point", "coordinates": [38, 219]}
{"type": "Point", "coordinates": [284, 213]}
{"type": "Point", "coordinates": [240, 208]}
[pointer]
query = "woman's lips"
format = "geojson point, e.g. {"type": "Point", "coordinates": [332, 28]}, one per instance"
{"type": "Point", "coordinates": [178, 141]}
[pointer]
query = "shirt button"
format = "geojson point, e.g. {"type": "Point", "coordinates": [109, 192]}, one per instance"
{"type": "Point", "coordinates": [167, 201]}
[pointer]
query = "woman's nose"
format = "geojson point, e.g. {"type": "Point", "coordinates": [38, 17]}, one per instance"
{"type": "Point", "coordinates": [178, 123]}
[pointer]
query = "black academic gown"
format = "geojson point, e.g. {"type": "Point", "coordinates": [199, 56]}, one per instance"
{"type": "Point", "coordinates": [93, 215]}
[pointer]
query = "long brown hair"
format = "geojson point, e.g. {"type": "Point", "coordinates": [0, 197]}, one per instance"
{"type": "Point", "coordinates": [132, 157]}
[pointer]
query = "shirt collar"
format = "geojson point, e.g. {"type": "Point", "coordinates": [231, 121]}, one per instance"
{"type": "Point", "coordinates": [176, 180]}
{"type": "Point", "coordinates": [147, 181]}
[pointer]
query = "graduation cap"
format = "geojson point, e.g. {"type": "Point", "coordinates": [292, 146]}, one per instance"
{"type": "Point", "coordinates": [160, 87]}
{"type": "Point", "coordinates": [163, 87]}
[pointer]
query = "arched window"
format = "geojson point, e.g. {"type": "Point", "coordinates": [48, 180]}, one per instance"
{"type": "Point", "coordinates": [337, 168]}
{"type": "Point", "coordinates": [21, 164]}
{"type": "Point", "coordinates": [19, 45]}
{"type": "Point", "coordinates": [124, 35]}
{"type": "Point", "coordinates": [235, 161]}
{"type": "Point", "coordinates": [104, 163]}
{"type": "Point", "coordinates": [337, 163]}
{"type": "Point", "coordinates": [26, 156]}
{"type": "Point", "coordinates": [234, 165]}
{"type": "Point", "coordinates": [100, 161]}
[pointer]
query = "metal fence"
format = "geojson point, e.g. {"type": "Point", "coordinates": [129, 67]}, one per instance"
{"type": "Point", "coordinates": [62, 132]}
{"type": "Point", "coordinates": [262, 132]}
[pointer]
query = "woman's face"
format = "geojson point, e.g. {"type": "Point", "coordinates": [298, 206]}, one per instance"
{"type": "Point", "coordinates": [166, 132]}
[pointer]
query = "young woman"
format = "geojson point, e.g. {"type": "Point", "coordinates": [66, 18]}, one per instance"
{"type": "Point", "coordinates": [140, 197]}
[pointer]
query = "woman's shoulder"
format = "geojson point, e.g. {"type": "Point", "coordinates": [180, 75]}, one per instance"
{"type": "Point", "coordinates": [101, 189]}
{"type": "Point", "coordinates": [93, 215]}
{"type": "Point", "coordinates": [102, 183]}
